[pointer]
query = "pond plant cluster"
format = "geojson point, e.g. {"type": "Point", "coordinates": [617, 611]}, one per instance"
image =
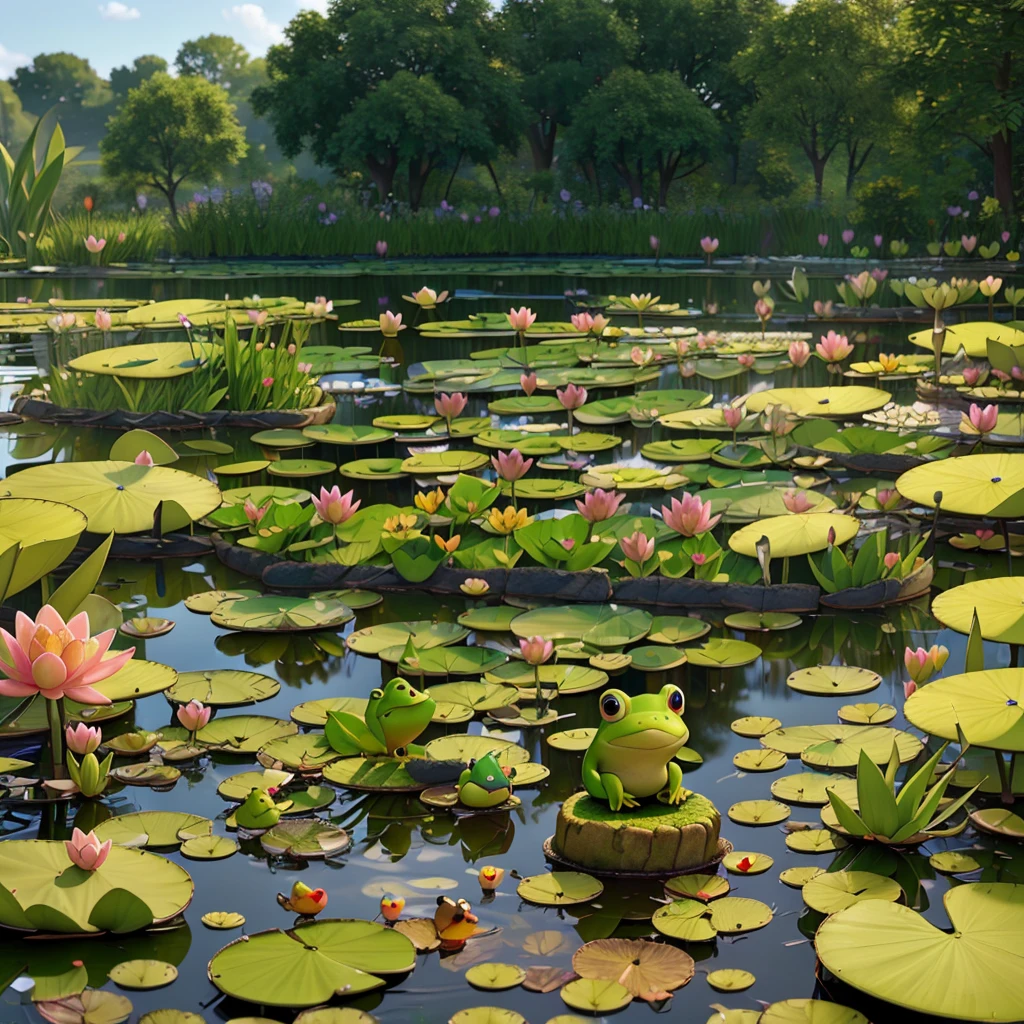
{"type": "Point", "coordinates": [620, 548]}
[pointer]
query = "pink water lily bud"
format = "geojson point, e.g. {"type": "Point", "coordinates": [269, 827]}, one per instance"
{"type": "Point", "coordinates": [571, 396]}
{"type": "Point", "coordinates": [799, 353]}
{"type": "Point", "coordinates": [86, 851]}
{"type": "Point", "coordinates": [144, 458]}
{"type": "Point", "coordinates": [823, 240]}
{"type": "Point", "coordinates": [709, 244]}
{"type": "Point", "coordinates": [983, 418]}
{"type": "Point", "coordinates": [334, 507]}
{"type": "Point", "coordinates": [887, 498]}
{"type": "Point", "coordinates": [971, 375]}
{"type": "Point", "coordinates": [878, 241]}
{"type": "Point", "coordinates": [969, 242]}
{"type": "Point", "coordinates": [521, 319]}
{"type": "Point", "coordinates": [82, 739]}
{"type": "Point", "coordinates": [833, 348]}
{"type": "Point", "coordinates": [892, 559]}
{"type": "Point", "coordinates": [746, 359]}
{"type": "Point", "coordinates": [257, 316]}
{"type": "Point", "coordinates": [848, 236]}
{"type": "Point", "coordinates": [184, 321]}
{"type": "Point", "coordinates": [641, 357]}
{"type": "Point", "coordinates": [57, 659]}
{"type": "Point", "coordinates": [536, 650]}
{"type": "Point", "coordinates": [599, 324]}
{"type": "Point", "coordinates": [796, 501]}
{"type": "Point", "coordinates": [922, 664]}
{"type": "Point", "coordinates": [267, 382]}
{"type": "Point", "coordinates": [733, 416]}
{"type": "Point", "coordinates": [391, 324]}
{"type": "Point", "coordinates": [711, 308]}
{"type": "Point", "coordinates": [511, 466]}
{"type": "Point", "coordinates": [121, 236]}
{"type": "Point", "coordinates": [94, 244]}
{"type": "Point", "coordinates": [583, 322]}
{"type": "Point", "coordinates": [637, 547]}
{"type": "Point", "coordinates": [984, 535]}
{"type": "Point", "coordinates": [698, 558]}
{"type": "Point", "coordinates": [655, 242]}
{"type": "Point", "coordinates": [528, 382]}
{"type": "Point", "coordinates": [763, 309]}
{"type": "Point", "coordinates": [909, 689]}
{"type": "Point", "coordinates": [823, 309]}
{"type": "Point", "coordinates": [598, 505]}
{"type": "Point", "coordinates": [450, 406]}
{"type": "Point", "coordinates": [103, 319]}
{"type": "Point", "coordinates": [679, 346]}
{"type": "Point", "coordinates": [879, 274]}
{"type": "Point", "coordinates": [831, 536]}
{"type": "Point", "coordinates": [990, 286]}
{"type": "Point", "coordinates": [689, 516]}
{"type": "Point", "coordinates": [254, 513]}
{"type": "Point", "coordinates": [568, 543]}
{"type": "Point", "coordinates": [194, 715]}
{"type": "Point", "coordinates": [382, 248]}
{"type": "Point", "coordinates": [1005, 236]}
{"type": "Point", "coordinates": [427, 298]}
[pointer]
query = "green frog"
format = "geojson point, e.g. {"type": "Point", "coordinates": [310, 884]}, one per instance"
{"type": "Point", "coordinates": [484, 783]}
{"type": "Point", "coordinates": [632, 755]}
{"type": "Point", "coordinates": [259, 811]}
{"type": "Point", "coordinates": [394, 717]}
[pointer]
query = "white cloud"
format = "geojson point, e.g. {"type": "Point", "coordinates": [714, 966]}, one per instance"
{"type": "Point", "coordinates": [312, 5]}
{"type": "Point", "coordinates": [10, 60]}
{"type": "Point", "coordinates": [257, 29]}
{"type": "Point", "coordinates": [115, 11]}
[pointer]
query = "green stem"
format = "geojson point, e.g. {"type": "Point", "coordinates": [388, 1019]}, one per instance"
{"type": "Point", "coordinates": [55, 717]}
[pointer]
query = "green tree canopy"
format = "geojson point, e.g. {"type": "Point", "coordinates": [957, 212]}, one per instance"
{"type": "Point", "coordinates": [15, 124]}
{"type": "Point", "coordinates": [637, 123]}
{"type": "Point", "coordinates": [58, 78]}
{"type": "Point", "coordinates": [223, 61]}
{"type": "Point", "coordinates": [131, 76]}
{"type": "Point", "coordinates": [170, 129]}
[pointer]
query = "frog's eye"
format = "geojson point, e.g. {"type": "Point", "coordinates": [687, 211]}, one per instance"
{"type": "Point", "coordinates": [400, 686]}
{"type": "Point", "coordinates": [490, 778]}
{"type": "Point", "coordinates": [614, 706]}
{"type": "Point", "coordinates": [674, 699]}
{"type": "Point", "coordinates": [472, 762]}
{"type": "Point", "coordinates": [376, 694]}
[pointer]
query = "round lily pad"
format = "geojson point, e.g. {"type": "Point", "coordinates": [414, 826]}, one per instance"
{"type": "Point", "coordinates": [148, 773]}
{"type": "Point", "coordinates": [153, 828]}
{"type": "Point", "coordinates": [489, 619]}
{"type": "Point", "coordinates": [281, 437]}
{"type": "Point", "coordinates": [343, 434]}
{"type": "Point", "coordinates": [723, 653]}
{"type": "Point", "coordinates": [560, 888]}
{"type": "Point", "coordinates": [797, 878]}
{"type": "Point", "coordinates": [464, 748]}
{"type": "Point", "coordinates": [222, 687]}
{"type": "Point", "coordinates": [998, 821]}
{"type": "Point", "coordinates": [207, 601]}
{"type": "Point", "coordinates": [794, 535]}
{"type": "Point", "coordinates": [305, 838]}
{"type": "Point", "coordinates": [572, 739]}
{"type": "Point", "coordinates": [443, 661]}
{"type": "Point", "coordinates": [759, 812]}
{"type": "Point", "coordinates": [760, 760]}
{"type": "Point", "coordinates": [657, 657]}
{"type": "Point", "coordinates": [755, 726]}
{"type": "Point", "coordinates": [954, 862]}
{"type": "Point", "coordinates": [814, 840]}
{"type": "Point", "coordinates": [810, 1011]}
{"type": "Point", "coordinates": [238, 734]}
{"type": "Point", "coordinates": [676, 629]}
{"type": "Point", "coordinates": [698, 886]}
{"type": "Point", "coordinates": [405, 422]}
{"type": "Point", "coordinates": [828, 680]}
{"type": "Point", "coordinates": [730, 980]}
{"type": "Point", "coordinates": [422, 634]}
{"type": "Point", "coordinates": [805, 788]}
{"type": "Point", "coordinates": [645, 968]}
{"type": "Point", "coordinates": [565, 676]}
{"type": "Point", "coordinates": [246, 468]}
{"type": "Point", "coordinates": [301, 469]}
{"type": "Point", "coordinates": [143, 974]}
{"type": "Point", "coordinates": [743, 862]}
{"type": "Point", "coordinates": [273, 614]}
{"type": "Point", "coordinates": [171, 1017]}
{"type": "Point", "coordinates": [494, 976]}
{"type": "Point", "coordinates": [762, 622]}
{"type": "Point", "coordinates": [595, 995]}
{"type": "Point", "coordinates": [976, 485]}
{"type": "Point", "coordinates": [607, 625]}
{"type": "Point", "coordinates": [384, 775]}
{"type": "Point", "coordinates": [372, 469]}
{"type": "Point", "coordinates": [444, 463]}
{"type": "Point", "coordinates": [209, 847]}
{"type": "Point", "coordinates": [836, 890]}
{"type": "Point", "coordinates": [222, 919]}
{"type": "Point", "coordinates": [839, 746]}
{"type": "Point", "coordinates": [137, 679]}
{"type": "Point", "coordinates": [480, 696]}
{"type": "Point", "coordinates": [866, 714]}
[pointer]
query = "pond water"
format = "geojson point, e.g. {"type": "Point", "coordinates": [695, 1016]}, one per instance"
{"type": "Point", "coordinates": [403, 847]}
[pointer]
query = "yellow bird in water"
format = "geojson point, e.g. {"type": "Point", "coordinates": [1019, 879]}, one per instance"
{"type": "Point", "coordinates": [303, 900]}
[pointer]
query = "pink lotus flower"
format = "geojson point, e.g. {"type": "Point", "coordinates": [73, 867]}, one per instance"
{"type": "Point", "coordinates": [391, 324]}
{"type": "Point", "coordinates": [267, 382]}
{"type": "Point", "coordinates": [909, 688]}
{"type": "Point", "coordinates": [58, 659]}
{"type": "Point", "coordinates": [571, 396]}
{"type": "Point", "coordinates": [879, 274]}
{"type": "Point", "coordinates": [892, 559]}
{"type": "Point", "coordinates": [637, 547]}
{"type": "Point", "coordinates": [878, 241]}
{"type": "Point", "coordinates": [450, 406]}
{"type": "Point", "coordinates": [583, 322]}
{"type": "Point", "coordinates": [257, 316]}
{"type": "Point", "coordinates": [521, 319]}
{"type": "Point", "coordinates": [569, 543]}
{"type": "Point", "coordinates": [691, 517]}
{"type": "Point", "coordinates": [427, 298]}
{"type": "Point", "coordinates": [799, 353]}
{"type": "Point", "coordinates": [641, 357]}
{"type": "Point", "coordinates": [746, 359]}
{"type": "Point", "coordinates": [94, 244]}
{"type": "Point", "coordinates": [711, 308]}
{"type": "Point", "coordinates": [680, 346]}
{"type": "Point", "coordinates": [194, 715]}
{"type": "Point", "coordinates": [833, 348]}
{"type": "Point", "coordinates": [763, 309]}
{"type": "Point", "coordinates": [984, 418]}
{"type": "Point", "coordinates": [654, 242]}
{"type": "Point", "coordinates": [972, 374]}
{"type": "Point", "coordinates": [922, 664]}
{"type": "Point", "coordinates": [823, 240]}
{"type": "Point", "coordinates": [253, 512]}
{"type": "Point", "coordinates": [1005, 236]}
{"type": "Point", "coordinates": [984, 535]}
{"type": "Point", "coordinates": [709, 244]}
{"type": "Point", "coordinates": [698, 558]}
{"type": "Point", "coordinates": [847, 236]}
{"type": "Point", "coordinates": [823, 309]}
{"type": "Point", "coordinates": [82, 739]}
{"type": "Point", "coordinates": [304, 367]}
{"type": "Point", "coordinates": [121, 236]}
{"type": "Point", "coordinates": [86, 851]}
{"type": "Point", "coordinates": [598, 505]}
{"type": "Point", "coordinates": [536, 650]}
{"type": "Point", "coordinates": [888, 498]}
{"type": "Point", "coordinates": [103, 319]}
{"type": "Point", "coordinates": [511, 466]}
{"type": "Point", "coordinates": [528, 382]}
{"type": "Point", "coordinates": [184, 321]}
{"type": "Point", "coordinates": [796, 501]}
{"type": "Point", "coordinates": [382, 248]}
{"type": "Point", "coordinates": [144, 458]}
{"type": "Point", "coordinates": [969, 242]}
{"type": "Point", "coordinates": [733, 416]}
{"type": "Point", "coordinates": [599, 324]}
{"type": "Point", "coordinates": [334, 507]}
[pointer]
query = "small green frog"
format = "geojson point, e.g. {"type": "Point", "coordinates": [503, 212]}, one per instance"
{"type": "Point", "coordinates": [484, 783]}
{"type": "Point", "coordinates": [394, 717]}
{"type": "Point", "coordinates": [258, 810]}
{"type": "Point", "coordinates": [632, 755]}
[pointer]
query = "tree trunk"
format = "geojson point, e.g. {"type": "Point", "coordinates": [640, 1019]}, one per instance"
{"type": "Point", "coordinates": [854, 165]}
{"type": "Point", "coordinates": [419, 171]}
{"type": "Point", "coordinates": [494, 178]}
{"type": "Point", "coordinates": [818, 164]}
{"type": "Point", "coordinates": [542, 143]}
{"type": "Point", "coordinates": [383, 176]}
{"type": "Point", "coordinates": [1002, 171]}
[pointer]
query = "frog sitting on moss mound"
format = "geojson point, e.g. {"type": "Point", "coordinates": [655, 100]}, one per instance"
{"type": "Point", "coordinates": [632, 757]}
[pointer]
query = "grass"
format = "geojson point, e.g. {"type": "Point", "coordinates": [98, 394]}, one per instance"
{"type": "Point", "coordinates": [695, 810]}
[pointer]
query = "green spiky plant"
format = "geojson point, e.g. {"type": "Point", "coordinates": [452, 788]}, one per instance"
{"type": "Point", "coordinates": [912, 815]}
{"type": "Point", "coordinates": [837, 570]}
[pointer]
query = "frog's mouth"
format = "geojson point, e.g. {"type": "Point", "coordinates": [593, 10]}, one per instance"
{"type": "Point", "coordinates": [646, 739]}
{"type": "Point", "coordinates": [405, 707]}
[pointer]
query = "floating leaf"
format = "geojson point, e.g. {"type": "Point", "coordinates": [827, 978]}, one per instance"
{"type": "Point", "coordinates": [759, 812]}
{"type": "Point", "coordinates": [560, 888]}
{"type": "Point", "coordinates": [495, 977]}
{"type": "Point", "coordinates": [810, 1011]}
{"type": "Point", "coordinates": [698, 886]}
{"type": "Point", "coordinates": [595, 996]}
{"type": "Point", "coordinates": [572, 739]}
{"type": "Point", "coordinates": [723, 653]}
{"type": "Point", "coordinates": [140, 974]}
{"type": "Point", "coordinates": [814, 840]}
{"type": "Point", "coordinates": [760, 760]}
{"type": "Point", "coordinates": [743, 862]}
{"type": "Point", "coordinates": [755, 726]}
{"type": "Point", "coordinates": [730, 980]}
{"type": "Point", "coordinates": [828, 680]}
{"type": "Point", "coordinates": [154, 828]}
{"type": "Point", "coordinates": [954, 862]}
{"type": "Point", "coordinates": [866, 714]}
{"type": "Point", "coordinates": [805, 788]}
{"type": "Point", "coordinates": [646, 969]}
{"type": "Point", "coordinates": [93, 1006]}
{"type": "Point", "coordinates": [209, 847]}
{"type": "Point", "coordinates": [222, 919]}
{"type": "Point", "coordinates": [222, 687]}
{"type": "Point", "coordinates": [305, 838]}
{"type": "Point", "coordinates": [837, 890]}
{"type": "Point", "coordinates": [797, 878]}
{"type": "Point", "coordinates": [839, 746]}
{"type": "Point", "coordinates": [486, 1015]}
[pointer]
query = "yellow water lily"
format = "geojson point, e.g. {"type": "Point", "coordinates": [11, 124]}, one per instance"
{"type": "Point", "coordinates": [507, 521]}
{"type": "Point", "coordinates": [638, 302]}
{"type": "Point", "coordinates": [426, 298]}
{"type": "Point", "coordinates": [429, 501]}
{"type": "Point", "coordinates": [399, 524]}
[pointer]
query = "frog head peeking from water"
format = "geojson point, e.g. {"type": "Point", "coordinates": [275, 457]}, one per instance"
{"type": "Point", "coordinates": [632, 757]}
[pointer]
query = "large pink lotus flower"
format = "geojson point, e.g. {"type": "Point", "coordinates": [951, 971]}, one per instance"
{"type": "Point", "coordinates": [583, 322]}
{"type": "Point", "coordinates": [833, 348]}
{"type": "Point", "coordinates": [521, 319]}
{"type": "Point", "coordinates": [598, 505]}
{"type": "Point", "coordinates": [57, 658]}
{"type": "Point", "coordinates": [796, 501]}
{"type": "Point", "coordinates": [82, 739]}
{"type": "Point", "coordinates": [511, 466]}
{"type": "Point", "coordinates": [572, 396]}
{"type": "Point", "coordinates": [709, 244]}
{"type": "Point", "coordinates": [194, 715]}
{"type": "Point", "coordinates": [450, 406]}
{"type": "Point", "coordinates": [94, 244]}
{"type": "Point", "coordinates": [334, 507]}
{"type": "Point", "coordinates": [536, 650]}
{"type": "Point", "coordinates": [86, 851]}
{"type": "Point", "coordinates": [637, 547]}
{"type": "Point", "coordinates": [528, 382]}
{"type": "Point", "coordinates": [799, 353]}
{"type": "Point", "coordinates": [983, 418]}
{"type": "Point", "coordinates": [690, 516]}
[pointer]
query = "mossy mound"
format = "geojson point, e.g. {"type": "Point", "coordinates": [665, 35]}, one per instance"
{"type": "Point", "coordinates": [650, 839]}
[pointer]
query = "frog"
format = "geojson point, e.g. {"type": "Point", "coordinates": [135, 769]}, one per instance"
{"type": "Point", "coordinates": [259, 811]}
{"type": "Point", "coordinates": [632, 756]}
{"type": "Point", "coordinates": [485, 783]}
{"type": "Point", "coordinates": [394, 717]}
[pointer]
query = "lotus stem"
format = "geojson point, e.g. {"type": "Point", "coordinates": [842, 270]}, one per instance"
{"type": "Point", "coordinates": [539, 698]}
{"type": "Point", "coordinates": [55, 718]}
{"type": "Point", "coordinates": [938, 340]}
{"type": "Point", "coordinates": [1004, 778]}
{"type": "Point", "coordinates": [1006, 539]}
{"type": "Point", "coordinates": [785, 570]}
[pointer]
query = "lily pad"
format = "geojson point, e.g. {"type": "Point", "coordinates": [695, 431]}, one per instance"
{"type": "Point", "coordinates": [759, 812]}
{"type": "Point", "coordinates": [143, 974]}
{"type": "Point", "coordinates": [699, 886]}
{"type": "Point", "coordinates": [797, 878]}
{"type": "Point", "coordinates": [755, 726]}
{"type": "Point", "coordinates": [646, 969]}
{"type": "Point", "coordinates": [954, 862]}
{"type": "Point", "coordinates": [730, 980]}
{"type": "Point", "coordinates": [745, 862]}
{"type": "Point", "coordinates": [721, 652]}
{"type": "Point", "coordinates": [423, 634]}
{"type": "Point", "coordinates": [828, 680]}
{"type": "Point", "coordinates": [866, 714]}
{"type": "Point", "coordinates": [595, 995]}
{"type": "Point", "coordinates": [838, 746]}
{"type": "Point", "coordinates": [572, 739]}
{"type": "Point", "coordinates": [209, 848]}
{"type": "Point", "coordinates": [494, 976]}
{"type": "Point", "coordinates": [273, 614]}
{"type": "Point", "coordinates": [810, 1011]}
{"type": "Point", "coordinates": [814, 840]}
{"type": "Point", "coordinates": [207, 601]}
{"type": "Point", "coordinates": [837, 890]}
{"type": "Point", "coordinates": [305, 839]}
{"type": "Point", "coordinates": [560, 888]}
{"type": "Point", "coordinates": [157, 829]}
{"type": "Point", "coordinates": [759, 760]}
{"type": "Point", "coordinates": [805, 788]}
{"type": "Point", "coordinates": [222, 920]}
{"type": "Point", "coordinates": [372, 469]}
{"type": "Point", "coordinates": [793, 535]}
{"type": "Point", "coordinates": [222, 688]}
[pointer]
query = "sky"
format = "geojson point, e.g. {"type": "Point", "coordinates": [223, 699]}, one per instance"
{"type": "Point", "coordinates": [115, 32]}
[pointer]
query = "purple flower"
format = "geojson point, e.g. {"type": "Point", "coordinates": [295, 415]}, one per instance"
{"type": "Point", "coordinates": [823, 240]}
{"type": "Point", "coordinates": [954, 211]}
{"type": "Point", "coordinates": [848, 236]}
{"type": "Point", "coordinates": [444, 205]}
{"type": "Point", "coordinates": [200, 198]}
{"type": "Point", "coordinates": [565, 195]}
{"type": "Point", "coordinates": [494, 211]}
{"type": "Point", "coordinates": [383, 301]}
{"type": "Point", "coordinates": [322, 207]}
{"type": "Point", "coordinates": [464, 217]}
{"type": "Point", "coordinates": [637, 203]}
{"type": "Point", "coordinates": [972, 196]}
{"type": "Point", "coordinates": [331, 218]}
{"type": "Point", "coordinates": [477, 219]}
{"type": "Point", "coordinates": [262, 189]}
{"type": "Point", "coordinates": [878, 241]}
{"type": "Point", "coordinates": [216, 195]}
{"type": "Point", "coordinates": [141, 201]}
{"type": "Point", "coordinates": [1005, 236]}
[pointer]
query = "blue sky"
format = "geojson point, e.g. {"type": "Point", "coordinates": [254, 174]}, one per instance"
{"type": "Point", "coordinates": [113, 32]}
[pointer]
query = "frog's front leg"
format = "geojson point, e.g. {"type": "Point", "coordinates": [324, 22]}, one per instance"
{"type": "Point", "coordinates": [674, 793]}
{"type": "Point", "coordinates": [617, 796]}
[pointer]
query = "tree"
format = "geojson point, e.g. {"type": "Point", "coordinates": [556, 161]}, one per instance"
{"type": "Point", "coordinates": [964, 67]}
{"type": "Point", "coordinates": [15, 124]}
{"type": "Point", "coordinates": [562, 48]}
{"type": "Point", "coordinates": [62, 78]}
{"type": "Point", "coordinates": [218, 59]}
{"type": "Point", "coordinates": [815, 70]}
{"type": "Point", "coordinates": [131, 76]}
{"type": "Point", "coordinates": [170, 129]}
{"type": "Point", "coordinates": [638, 123]}
{"type": "Point", "coordinates": [329, 64]}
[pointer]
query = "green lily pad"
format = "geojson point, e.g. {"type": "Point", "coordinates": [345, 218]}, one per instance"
{"type": "Point", "coordinates": [759, 760]}
{"type": "Point", "coordinates": [444, 463]}
{"type": "Point", "coordinates": [699, 886]}
{"type": "Point", "coordinates": [759, 812]}
{"type": "Point", "coordinates": [301, 469]}
{"type": "Point", "coordinates": [222, 920]}
{"type": "Point", "coordinates": [676, 629]}
{"type": "Point", "coordinates": [443, 661]}
{"type": "Point", "coordinates": [209, 848]}
{"type": "Point", "coordinates": [828, 680]}
{"type": "Point", "coordinates": [246, 468]}
{"type": "Point", "coordinates": [572, 739]}
{"type": "Point", "coordinates": [372, 469]}
{"type": "Point", "coordinates": [805, 788]}
{"type": "Point", "coordinates": [745, 862]}
{"type": "Point", "coordinates": [814, 840]}
{"type": "Point", "coordinates": [595, 996]}
{"type": "Point", "coordinates": [657, 658]}
{"type": "Point", "coordinates": [281, 437]}
{"type": "Point", "coordinates": [272, 614]}
{"type": "Point", "coordinates": [489, 619]}
{"type": "Point", "coordinates": [208, 600]}
{"type": "Point", "coordinates": [810, 1011]}
{"type": "Point", "coordinates": [423, 634]}
{"type": "Point", "coordinates": [762, 622]}
{"type": "Point", "coordinates": [755, 726]}
{"type": "Point", "coordinates": [566, 677]}
{"type": "Point", "coordinates": [237, 734]}
{"type": "Point", "coordinates": [645, 968]}
{"type": "Point", "coordinates": [465, 748]}
{"type": "Point", "coordinates": [305, 838]}
{"type": "Point", "coordinates": [300, 752]}
{"type": "Point", "coordinates": [866, 714]}
{"type": "Point", "coordinates": [314, 712]}
{"type": "Point", "coordinates": [998, 821]}
{"type": "Point", "coordinates": [954, 862]}
{"type": "Point", "coordinates": [405, 422]}
{"type": "Point", "coordinates": [838, 746]}
{"type": "Point", "coordinates": [156, 829]}
{"type": "Point", "coordinates": [797, 878]}
{"type": "Point", "coordinates": [694, 921]}
{"type": "Point", "coordinates": [687, 449]}
{"type": "Point", "coordinates": [730, 980]}
{"type": "Point", "coordinates": [494, 976]}
{"type": "Point", "coordinates": [838, 890]}
{"type": "Point", "coordinates": [540, 489]}
{"type": "Point", "coordinates": [560, 888]}
{"type": "Point", "coordinates": [171, 1017]}
{"type": "Point", "coordinates": [143, 974]}
{"type": "Point", "coordinates": [137, 679]}
{"type": "Point", "coordinates": [222, 688]}
{"type": "Point", "coordinates": [341, 434]}
{"type": "Point", "coordinates": [373, 775]}
{"type": "Point", "coordinates": [479, 696]}
{"type": "Point", "coordinates": [605, 626]}
{"type": "Point", "coordinates": [723, 653]}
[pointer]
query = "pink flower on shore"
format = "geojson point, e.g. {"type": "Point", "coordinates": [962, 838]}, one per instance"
{"type": "Point", "coordinates": [58, 659]}
{"type": "Point", "coordinates": [637, 547]}
{"type": "Point", "coordinates": [511, 466]}
{"type": "Point", "coordinates": [689, 516]}
{"type": "Point", "coordinates": [709, 244]}
{"type": "Point", "coordinates": [86, 851]}
{"type": "Point", "coordinates": [94, 244]}
{"type": "Point", "coordinates": [103, 319]}
{"type": "Point", "coordinates": [536, 650]}
{"type": "Point", "coordinates": [267, 382]}
{"type": "Point", "coordinates": [598, 505]}
{"type": "Point", "coordinates": [334, 507]}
